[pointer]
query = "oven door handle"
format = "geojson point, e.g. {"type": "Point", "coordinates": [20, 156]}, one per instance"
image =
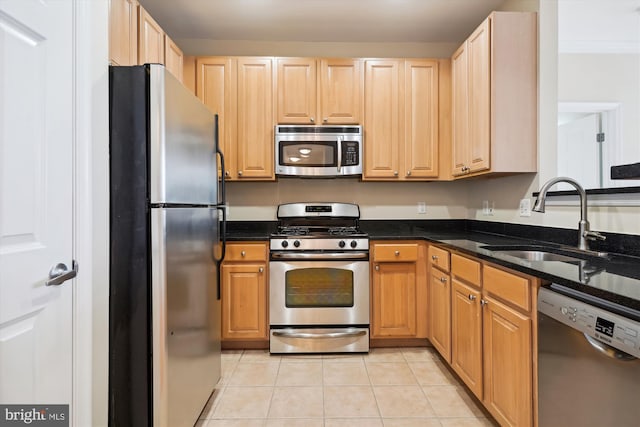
{"type": "Point", "coordinates": [289, 333]}
{"type": "Point", "coordinates": [319, 256]}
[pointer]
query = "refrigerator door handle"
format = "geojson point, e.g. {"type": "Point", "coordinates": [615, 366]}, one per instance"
{"type": "Point", "coordinates": [223, 238]}
{"type": "Point", "coordinates": [223, 195]}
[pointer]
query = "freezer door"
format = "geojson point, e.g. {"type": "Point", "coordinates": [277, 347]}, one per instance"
{"type": "Point", "coordinates": [182, 146]}
{"type": "Point", "coordinates": [185, 314]}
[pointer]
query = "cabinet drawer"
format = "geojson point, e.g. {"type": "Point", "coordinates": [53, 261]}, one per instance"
{"type": "Point", "coordinates": [395, 252]}
{"type": "Point", "coordinates": [507, 287]}
{"type": "Point", "coordinates": [466, 269]}
{"type": "Point", "coordinates": [246, 252]}
{"type": "Point", "coordinates": [439, 257]}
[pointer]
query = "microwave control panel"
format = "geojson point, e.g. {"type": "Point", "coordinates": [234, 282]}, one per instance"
{"type": "Point", "coordinates": [350, 153]}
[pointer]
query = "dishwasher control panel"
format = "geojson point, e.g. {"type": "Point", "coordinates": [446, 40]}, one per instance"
{"type": "Point", "coordinates": [605, 327]}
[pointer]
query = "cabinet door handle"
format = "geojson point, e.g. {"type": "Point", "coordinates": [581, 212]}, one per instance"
{"type": "Point", "coordinates": [377, 267]}
{"type": "Point", "coordinates": [325, 120]}
{"type": "Point", "coordinates": [443, 279]}
{"type": "Point", "coordinates": [261, 270]}
{"type": "Point", "coordinates": [484, 302]}
{"type": "Point", "coordinates": [311, 119]}
{"type": "Point", "coordinates": [397, 253]}
{"type": "Point", "coordinates": [408, 173]}
{"type": "Point", "coordinates": [472, 297]}
{"type": "Point", "coordinates": [434, 257]}
{"type": "Point", "coordinates": [395, 173]}
{"type": "Point", "coordinates": [243, 253]}
{"type": "Point", "coordinates": [227, 173]}
{"type": "Point", "coordinates": [239, 173]}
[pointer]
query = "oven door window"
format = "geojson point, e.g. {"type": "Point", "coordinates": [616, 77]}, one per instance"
{"type": "Point", "coordinates": [318, 287]}
{"type": "Point", "coordinates": [312, 154]}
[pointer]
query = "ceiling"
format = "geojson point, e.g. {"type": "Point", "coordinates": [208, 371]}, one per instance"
{"type": "Point", "coordinates": [400, 21]}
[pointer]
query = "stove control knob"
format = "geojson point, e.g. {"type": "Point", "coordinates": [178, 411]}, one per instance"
{"type": "Point", "coordinates": [342, 243]}
{"type": "Point", "coordinates": [284, 243]}
{"type": "Point", "coordinates": [296, 243]}
{"type": "Point", "coordinates": [354, 243]}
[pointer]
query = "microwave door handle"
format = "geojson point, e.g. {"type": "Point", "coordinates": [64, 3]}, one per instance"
{"type": "Point", "coordinates": [339, 141]}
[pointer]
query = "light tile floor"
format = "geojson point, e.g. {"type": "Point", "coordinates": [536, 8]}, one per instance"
{"type": "Point", "coordinates": [386, 388]}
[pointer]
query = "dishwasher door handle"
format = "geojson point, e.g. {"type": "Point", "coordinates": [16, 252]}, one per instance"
{"type": "Point", "coordinates": [608, 350]}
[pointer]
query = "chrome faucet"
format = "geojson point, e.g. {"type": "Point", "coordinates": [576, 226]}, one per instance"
{"type": "Point", "coordinates": [584, 233]}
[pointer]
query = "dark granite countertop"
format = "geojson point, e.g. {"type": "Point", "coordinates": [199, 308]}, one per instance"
{"type": "Point", "coordinates": [615, 279]}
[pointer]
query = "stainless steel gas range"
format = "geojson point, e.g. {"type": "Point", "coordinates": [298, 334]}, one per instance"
{"type": "Point", "coordinates": [319, 280]}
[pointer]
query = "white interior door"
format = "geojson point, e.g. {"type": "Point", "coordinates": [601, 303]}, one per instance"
{"type": "Point", "coordinates": [36, 196]}
{"type": "Point", "coordinates": [579, 152]}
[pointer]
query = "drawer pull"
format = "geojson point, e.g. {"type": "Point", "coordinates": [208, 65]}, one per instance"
{"type": "Point", "coordinates": [484, 302]}
{"type": "Point", "coordinates": [434, 257]}
{"type": "Point", "coordinates": [472, 297]}
{"type": "Point", "coordinates": [261, 270]}
{"type": "Point", "coordinates": [443, 279]}
{"type": "Point", "coordinates": [243, 253]}
{"type": "Point", "coordinates": [397, 253]}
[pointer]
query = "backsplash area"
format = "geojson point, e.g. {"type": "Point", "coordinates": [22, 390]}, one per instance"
{"type": "Point", "coordinates": [251, 201]}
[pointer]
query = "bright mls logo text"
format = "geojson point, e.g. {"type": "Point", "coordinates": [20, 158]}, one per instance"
{"type": "Point", "coordinates": [39, 415]}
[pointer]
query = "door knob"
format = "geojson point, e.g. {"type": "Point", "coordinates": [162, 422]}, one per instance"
{"type": "Point", "coordinates": [59, 274]}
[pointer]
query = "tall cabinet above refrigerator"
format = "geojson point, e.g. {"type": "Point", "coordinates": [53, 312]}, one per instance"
{"type": "Point", "coordinates": [165, 211]}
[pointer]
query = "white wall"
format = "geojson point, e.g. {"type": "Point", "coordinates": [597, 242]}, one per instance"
{"type": "Point", "coordinates": [613, 78]}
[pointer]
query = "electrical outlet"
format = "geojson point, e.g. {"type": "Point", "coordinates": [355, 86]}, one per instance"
{"type": "Point", "coordinates": [422, 208]}
{"type": "Point", "coordinates": [487, 207]}
{"type": "Point", "coordinates": [525, 207]}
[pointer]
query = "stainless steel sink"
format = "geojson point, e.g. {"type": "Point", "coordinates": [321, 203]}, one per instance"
{"type": "Point", "coordinates": [539, 256]}
{"type": "Point", "coordinates": [536, 253]}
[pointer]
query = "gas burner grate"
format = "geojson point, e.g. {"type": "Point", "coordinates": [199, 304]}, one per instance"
{"type": "Point", "coordinates": [343, 231]}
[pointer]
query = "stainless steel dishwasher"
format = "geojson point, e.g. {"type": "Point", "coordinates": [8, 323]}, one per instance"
{"type": "Point", "coordinates": [588, 366]}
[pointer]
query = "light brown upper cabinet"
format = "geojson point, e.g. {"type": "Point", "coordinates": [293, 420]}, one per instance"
{"type": "Point", "coordinates": [401, 119]}
{"type": "Point", "coordinates": [216, 87]}
{"type": "Point", "coordinates": [495, 97]}
{"type": "Point", "coordinates": [240, 91]}
{"type": "Point", "coordinates": [319, 91]}
{"type": "Point", "coordinates": [340, 91]}
{"type": "Point", "coordinates": [123, 32]}
{"type": "Point", "coordinates": [150, 39]}
{"type": "Point", "coordinates": [136, 38]}
{"type": "Point", "coordinates": [173, 58]}
{"type": "Point", "coordinates": [254, 155]}
{"type": "Point", "coordinates": [297, 90]}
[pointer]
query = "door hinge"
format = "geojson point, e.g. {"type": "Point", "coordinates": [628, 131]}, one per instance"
{"type": "Point", "coordinates": [600, 137]}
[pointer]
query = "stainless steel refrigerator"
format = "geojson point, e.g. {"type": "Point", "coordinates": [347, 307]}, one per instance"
{"type": "Point", "coordinates": [166, 243]}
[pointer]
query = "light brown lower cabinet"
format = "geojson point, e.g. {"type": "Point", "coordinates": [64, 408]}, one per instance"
{"type": "Point", "coordinates": [508, 359]}
{"type": "Point", "coordinates": [244, 292]}
{"type": "Point", "coordinates": [398, 290]}
{"type": "Point", "coordinates": [466, 336]}
{"type": "Point", "coordinates": [440, 311]}
{"type": "Point", "coordinates": [492, 331]}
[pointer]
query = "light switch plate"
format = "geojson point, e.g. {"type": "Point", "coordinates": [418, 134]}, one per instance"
{"type": "Point", "coordinates": [525, 207]}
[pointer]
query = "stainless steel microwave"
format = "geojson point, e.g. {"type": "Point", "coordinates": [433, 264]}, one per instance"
{"type": "Point", "coordinates": [318, 151]}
